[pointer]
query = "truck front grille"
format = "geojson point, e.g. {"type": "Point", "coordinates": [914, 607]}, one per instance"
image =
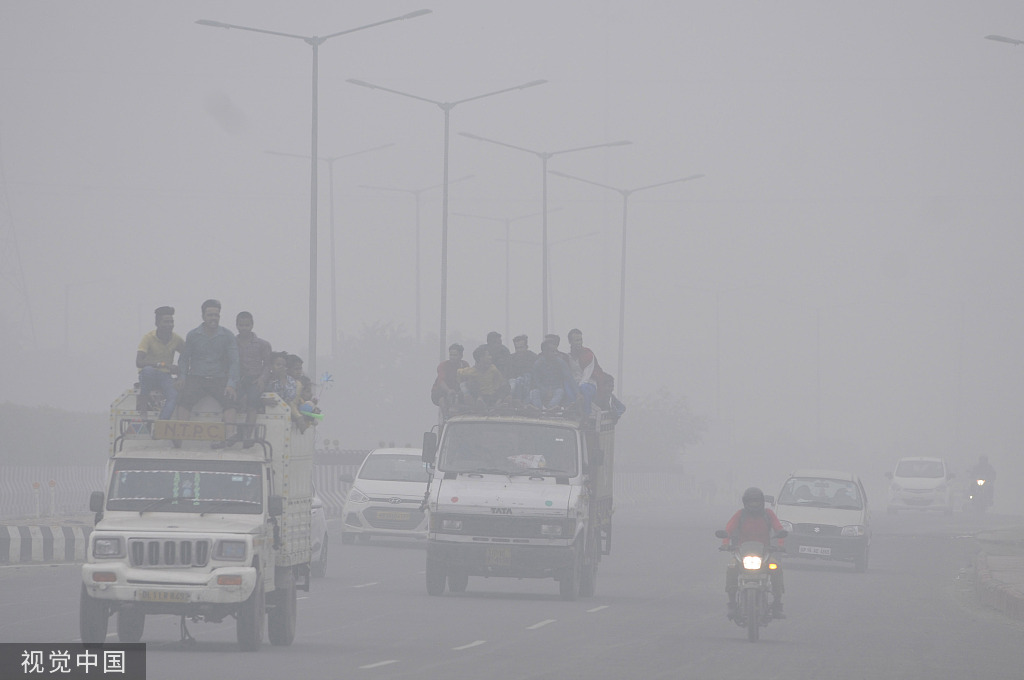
{"type": "Point", "coordinates": [155, 552]}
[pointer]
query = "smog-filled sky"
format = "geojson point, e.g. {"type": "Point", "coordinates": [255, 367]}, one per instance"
{"type": "Point", "coordinates": [846, 275]}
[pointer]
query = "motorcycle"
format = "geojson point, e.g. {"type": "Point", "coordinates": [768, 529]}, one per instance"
{"type": "Point", "coordinates": [754, 598]}
{"type": "Point", "coordinates": [979, 495]}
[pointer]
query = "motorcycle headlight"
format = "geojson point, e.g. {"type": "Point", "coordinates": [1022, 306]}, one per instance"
{"type": "Point", "coordinates": [357, 496]}
{"type": "Point", "coordinates": [107, 547]}
{"type": "Point", "coordinates": [752, 562]}
{"type": "Point", "coordinates": [853, 530]}
{"type": "Point", "coordinates": [981, 482]}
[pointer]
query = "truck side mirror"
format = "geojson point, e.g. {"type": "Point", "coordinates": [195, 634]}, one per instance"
{"type": "Point", "coordinates": [721, 533]}
{"type": "Point", "coordinates": [96, 501]}
{"type": "Point", "coordinates": [275, 506]}
{"type": "Point", "coordinates": [429, 447]}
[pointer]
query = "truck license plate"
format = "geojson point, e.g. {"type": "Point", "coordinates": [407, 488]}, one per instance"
{"type": "Point", "coordinates": [498, 556]}
{"type": "Point", "coordinates": [162, 596]}
{"type": "Point", "coordinates": [815, 550]}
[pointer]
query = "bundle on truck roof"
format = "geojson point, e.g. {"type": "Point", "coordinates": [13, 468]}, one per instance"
{"type": "Point", "coordinates": [197, 532]}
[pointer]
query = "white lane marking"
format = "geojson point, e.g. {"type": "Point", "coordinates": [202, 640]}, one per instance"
{"type": "Point", "coordinates": [379, 663]}
{"type": "Point", "coordinates": [597, 609]}
{"type": "Point", "coordinates": [366, 585]}
{"type": "Point", "coordinates": [540, 624]}
{"type": "Point", "coordinates": [475, 643]}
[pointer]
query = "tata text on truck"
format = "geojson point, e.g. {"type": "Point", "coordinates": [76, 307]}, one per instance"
{"type": "Point", "coordinates": [522, 496]}
{"type": "Point", "coordinates": [204, 534]}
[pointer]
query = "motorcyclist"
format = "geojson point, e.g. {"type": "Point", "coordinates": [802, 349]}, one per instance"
{"type": "Point", "coordinates": [753, 522]}
{"type": "Point", "coordinates": [984, 470]}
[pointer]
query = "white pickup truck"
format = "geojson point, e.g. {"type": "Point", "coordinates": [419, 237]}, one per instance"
{"type": "Point", "coordinates": [519, 496]}
{"type": "Point", "coordinates": [201, 533]}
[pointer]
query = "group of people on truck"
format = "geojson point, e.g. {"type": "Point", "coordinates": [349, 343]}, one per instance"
{"type": "Point", "coordinates": [551, 382]}
{"type": "Point", "coordinates": [235, 370]}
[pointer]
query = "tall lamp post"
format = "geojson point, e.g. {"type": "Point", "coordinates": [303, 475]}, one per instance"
{"type": "Point", "coordinates": [507, 221]}
{"type": "Point", "coordinates": [313, 41]}
{"type": "Point", "coordinates": [544, 156]}
{"type": "Point", "coordinates": [447, 108]}
{"type": "Point", "coordinates": [626, 193]}
{"type": "Point", "coordinates": [416, 194]}
{"type": "Point", "coordinates": [334, 280]}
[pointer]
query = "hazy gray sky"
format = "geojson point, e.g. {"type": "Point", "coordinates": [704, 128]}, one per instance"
{"type": "Point", "coordinates": [847, 271]}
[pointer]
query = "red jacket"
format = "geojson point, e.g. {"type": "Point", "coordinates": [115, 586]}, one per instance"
{"type": "Point", "coordinates": [745, 526]}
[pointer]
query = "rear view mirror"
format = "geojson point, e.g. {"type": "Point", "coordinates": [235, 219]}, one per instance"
{"type": "Point", "coordinates": [721, 533]}
{"type": "Point", "coordinates": [275, 506]}
{"type": "Point", "coordinates": [96, 501]}
{"type": "Point", "coordinates": [429, 447]}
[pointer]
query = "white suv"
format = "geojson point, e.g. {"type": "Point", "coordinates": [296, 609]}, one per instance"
{"type": "Point", "coordinates": [920, 483]}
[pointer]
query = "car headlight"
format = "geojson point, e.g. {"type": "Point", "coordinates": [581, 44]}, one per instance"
{"type": "Point", "coordinates": [108, 547]}
{"type": "Point", "coordinates": [230, 550]}
{"type": "Point", "coordinates": [357, 496]}
{"type": "Point", "coordinates": [788, 526]}
{"type": "Point", "coordinates": [752, 562]}
{"type": "Point", "coordinates": [853, 530]}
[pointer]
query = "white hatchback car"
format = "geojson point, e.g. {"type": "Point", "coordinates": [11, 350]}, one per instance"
{"type": "Point", "coordinates": [386, 496]}
{"type": "Point", "coordinates": [920, 483]}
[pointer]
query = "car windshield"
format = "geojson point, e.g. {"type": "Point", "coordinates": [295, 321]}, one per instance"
{"type": "Point", "coordinates": [509, 448]}
{"type": "Point", "coordinates": [822, 493]}
{"type": "Point", "coordinates": [186, 486]}
{"type": "Point", "coordinates": [931, 469]}
{"type": "Point", "coordinates": [394, 468]}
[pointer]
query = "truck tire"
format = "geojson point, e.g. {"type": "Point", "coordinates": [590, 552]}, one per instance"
{"type": "Point", "coordinates": [281, 617]}
{"type": "Point", "coordinates": [319, 570]}
{"type": "Point", "coordinates": [436, 576]}
{"type": "Point", "coordinates": [251, 618]}
{"type": "Point", "coordinates": [92, 619]}
{"type": "Point", "coordinates": [588, 576]}
{"type": "Point", "coordinates": [458, 581]}
{"type": "Point", "coordinates": [130, 624]}
{"type": "Point", "coordinates": [569, 583]}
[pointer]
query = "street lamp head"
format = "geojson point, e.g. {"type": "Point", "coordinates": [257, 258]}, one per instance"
{"type": "Point", "coordinates": [532, 83]}
{"type": "Point", "coordinates": [1004, 39]}
{"type": "Point", "coordinates": [215, 24]}
{"type": "Point", "coordinates": [417, 13]}
{"type": "Point", "coordinates": [362, 83]}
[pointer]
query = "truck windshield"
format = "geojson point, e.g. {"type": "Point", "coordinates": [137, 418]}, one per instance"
{"type": "Point", "coordinates": [509, 448]}
{"type": "Point", "coordinates": [193, 486]}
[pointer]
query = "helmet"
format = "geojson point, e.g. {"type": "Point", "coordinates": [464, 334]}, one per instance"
{"type": "Point", "coordinates": [753, 500]}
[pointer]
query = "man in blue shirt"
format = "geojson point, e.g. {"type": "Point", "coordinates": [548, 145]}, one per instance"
{"type": "Point", "coordinates": [208, 365]}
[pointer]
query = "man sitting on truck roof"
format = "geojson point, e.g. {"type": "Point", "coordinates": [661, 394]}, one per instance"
{"type": "Point", "coordinates": [548, 378]}
{"type": "Point", "coordinates": [155, 361]}
{"type": "Point", "coordinates": [208, 365]}
{"type": "Point", "coordinates": [444, 391]}
{"type": "Point", "coordinates": [254, 371]}
{"type": "Point", "coordinates": [286, 387]}
{"type": "Point", "coordinates": [482, 384]}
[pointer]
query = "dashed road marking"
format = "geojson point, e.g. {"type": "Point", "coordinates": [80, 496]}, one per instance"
{"type": "Point", "coordinates": [475, 643]}
{"type": "Point", "coordinates": [597, 609]}
{"type": "Point", "coordinates": [540, 624]}
{"type": "Point", "coordinates": [379, 664]}
{"type": "Point", "coordinates": [366, 585]}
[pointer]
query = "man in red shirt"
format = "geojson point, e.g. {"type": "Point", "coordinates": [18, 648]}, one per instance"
{"type": "Point", "coordinates": [753, 522]}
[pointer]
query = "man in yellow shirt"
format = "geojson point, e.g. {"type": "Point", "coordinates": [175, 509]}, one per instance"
{"type": "Point", "coordinates": [155, 361]}
{"type": "Point", "coordinates": [482, 383]}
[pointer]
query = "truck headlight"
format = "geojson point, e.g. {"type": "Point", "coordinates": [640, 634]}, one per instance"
{"type": "Point", "coordinates": [229, 550]}
{"type": "Point", "coordinates": [451, 525]}
{"type": "Point", "coordinates": [551, 530]}
{"type": "Point", "coordinates": [108, 547]}
{"type": "Point", "coordinates": [853, 530]}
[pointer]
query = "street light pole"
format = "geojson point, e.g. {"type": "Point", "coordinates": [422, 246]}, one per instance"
{"type": "Point", "coordinates": [416, 194]}
{"type": "Point", "coordinates": [334, 284]}
{"type": "Point", "coordinates": [507, 221]}
{"type": "Point", "coordinates": [314, 42]}
{"type": "Point", "coordinates": [447, 108]}
{"type": "Point", "coordinates": [626, 193]}
{"type": "Point", "coordinates": [544, 156]}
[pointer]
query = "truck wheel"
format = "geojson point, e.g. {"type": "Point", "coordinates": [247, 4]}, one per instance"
{"type": "Point", "coordinates": [281, 617]}
{"type": "Point", "coordinates": [319, 570]}
{"type": "Point", "coordinates": [251, 617]}
{"type": "Point", "coordinates": [588, 577]}
{"type": "Point", "coordinates": [130, 624]}
{"type": "Point", "coordinates": [92, 619]}
{"type": "Point", "coordinates": [435, 576]}
{"type": "Point", "coordinates": [458, 581]}
{"type": "Point", "coordinates": [569, 584]}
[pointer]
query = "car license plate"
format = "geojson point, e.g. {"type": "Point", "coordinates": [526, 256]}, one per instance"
{"type": "Point", "coordinates": [815, 550]}
{"type": "Point", "coordinates": [498, 556]}
{"type": "Point", "coordinates": [392, 515]}
{"type": "Point", "coordinates": [162, 596]}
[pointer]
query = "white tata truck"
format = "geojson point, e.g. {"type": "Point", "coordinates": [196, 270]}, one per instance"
{"type": "Point", "coordinates": [202, 533]}
{"type": "Point", "coordinates": [519, 496]}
